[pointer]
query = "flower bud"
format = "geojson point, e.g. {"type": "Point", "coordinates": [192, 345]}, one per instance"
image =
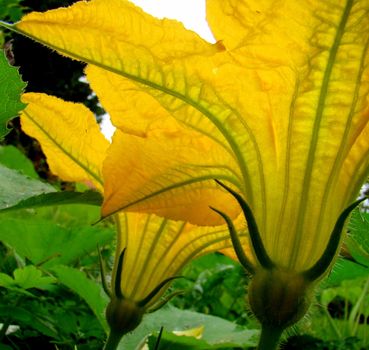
{"type": "Point", "coordinates": [279, 298]}
{"type": "Point", "coordinates": [123, 315]}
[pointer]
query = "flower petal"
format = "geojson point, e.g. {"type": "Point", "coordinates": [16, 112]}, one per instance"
{"type": "Point", "coordinates": [69, 136]}
{"type": "Point", "coordinates": [131, 110]}
{"type": "Point", "coordinates": [320, 123]}
{"type": "Point", "coordinates": [104, 33]}
{"type": "Point", "coordinates": [170, 75]}
{"type": "Point", "coordinates": [170, 173]}
{"type": "Point", "coordinates": [330, 110]}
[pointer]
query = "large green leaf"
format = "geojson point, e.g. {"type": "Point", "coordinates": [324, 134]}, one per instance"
{"type": "Point", "coordinates": [218, 333]}
{"type": "Point", "coordinates": [11, 87]}
{"type": "Point", "coordinates": [86, 288]}
{"type": "Point", "coordinates": [171, 341]}
{"type": "Point", "coordinates": [18, 191]}
{"type": "Point", "coordinates": [13, 158]}
{"type": "Point", "coordinates": [57, 198]}
{"type": "Point", "coordinates": [15, 187]}
{"type": "Point", "coordinates": [43, 241]}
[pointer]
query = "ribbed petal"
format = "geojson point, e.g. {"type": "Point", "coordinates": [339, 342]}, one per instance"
{"type": "Point", "coordinates": [106, 32]}
{"type": "Point", "coordinates": [168, 169]}
{"type": "Point", "coordinates": [158, 249]}
{"type": "Point", "coordinates": [69, 136]}
{"type": "Point", "coordinates": [320, 51]}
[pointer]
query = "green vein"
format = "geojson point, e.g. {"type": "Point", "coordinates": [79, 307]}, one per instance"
{"type": "Point", "coordinates": [194, 253]}
{"type": "Point", "coordinates": [341, 153]}
{"type": "Point", "coordinates": [144, 271]}
{"type": "Point", "coordinates": [316, 129]}
{"type": "Point", "coordinates": [161, 259]}
{"type": "Point", "coordinates": [142, 235]}
{"type": "Point", "coordinates": [170, 188]}
{"type": "Point", "coordinates": [286, 185]}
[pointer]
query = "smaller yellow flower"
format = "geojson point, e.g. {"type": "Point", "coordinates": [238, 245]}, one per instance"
{"type": "Point", "coordinates": [151, 251]}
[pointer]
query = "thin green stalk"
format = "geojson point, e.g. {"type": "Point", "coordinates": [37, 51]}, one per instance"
{"type": "Point", "coordinates": [113, 341]}
{"type": "Point", "coordinates": [270, 337]}
{"type": "Point", "coordinates": [355, 313]}
{"type": "Point", "coordinates": [332, 324]}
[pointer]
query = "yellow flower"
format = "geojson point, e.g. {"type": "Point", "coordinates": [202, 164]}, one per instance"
{"type": "Point", "coordinates": [151, 251]}
{"type": "Point", "coordinates": [277, 110]}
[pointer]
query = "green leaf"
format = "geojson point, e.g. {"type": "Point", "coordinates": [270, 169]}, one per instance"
{"type": "Point", "coordinates": [344, 270]}
{"type": "Point", "coordinates": [11, 9]}
{"type": "Point", "coordinates": [358, 239]}
{"type": "Point", "coordinates": [357, 242]}
{"type": "Point", "coordinates": [6, 281]}
{"type": "Point", "coordinates": [57, 198]}
{"type": "Point", "coordinates": [43, 241]}
{"type": "Point", "coordinates": [11, 87]}
{"type": "Point", "coordinates": [346, 290]}
{"type": "Point", "coordinates": [26, 278]}
{"type": "Point", "coordinates": [218, 333]}
{"type": "Point", "coordinates": [87, 289]}
{"type": "Point", "coordinates": [216, 285]}
{"type": "Point", "coordinates": [15, 187]}
{"type": "Point", "coordinates": [13, 158]}
{"type": "Point", "coordinates": [31, 277]}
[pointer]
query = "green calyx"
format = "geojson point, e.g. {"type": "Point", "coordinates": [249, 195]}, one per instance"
{"type": "Point", "coordinates": [279, 298]}
{"type": "Point", "coordinates": [123, 315]}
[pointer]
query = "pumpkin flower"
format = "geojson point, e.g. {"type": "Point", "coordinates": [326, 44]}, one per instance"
{"type": "Point", "coordinates": [150, 250]}
{"type": "Point", "coordinates": [278, 109]}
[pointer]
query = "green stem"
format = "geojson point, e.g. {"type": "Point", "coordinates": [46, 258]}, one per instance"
{"type": "Point", "coordinates": [269, 339]}
{"type": "Point", "coordinates": [113, 341]}
{"type": "Point", "coordinates": [355, 312]}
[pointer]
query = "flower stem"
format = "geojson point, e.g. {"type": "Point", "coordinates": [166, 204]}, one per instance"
{"type": "Point", "coordinates": [269, 339]}
{"type": "Point", "coordinates": [113, 341]}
